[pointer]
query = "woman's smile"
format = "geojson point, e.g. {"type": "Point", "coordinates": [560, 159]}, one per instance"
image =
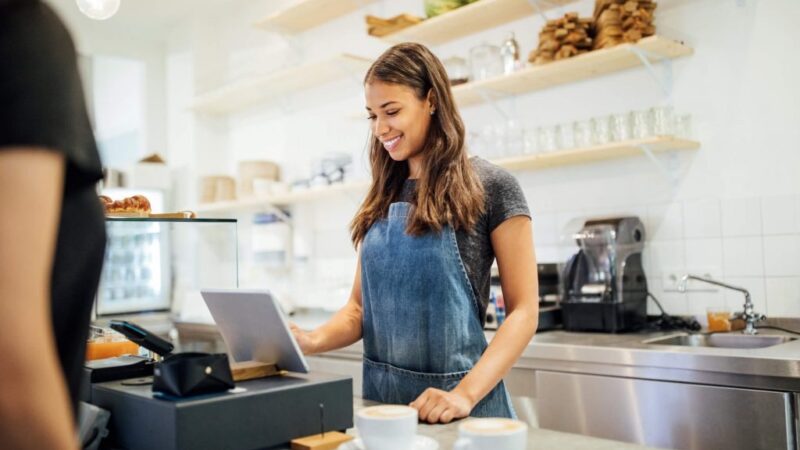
{"type": "Point", "coordinates": [391, 144]}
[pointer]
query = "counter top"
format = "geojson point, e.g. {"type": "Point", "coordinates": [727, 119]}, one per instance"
{"type": "Point", "coordinates": [538, 439]}
{"type": "Point", "coordinates": [627, 355]}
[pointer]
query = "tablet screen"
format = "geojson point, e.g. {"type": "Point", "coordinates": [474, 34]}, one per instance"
{"type": "Point", "coordinates": [254, 328]}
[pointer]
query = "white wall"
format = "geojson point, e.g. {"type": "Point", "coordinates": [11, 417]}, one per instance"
{"type": "Point", "coordinates": [119, 109]}
{"type": "Point", "coordinates": [734, 211]}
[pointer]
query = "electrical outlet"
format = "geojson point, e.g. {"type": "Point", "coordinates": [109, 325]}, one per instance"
{"type": "Point", "coordinates": [671, 279]}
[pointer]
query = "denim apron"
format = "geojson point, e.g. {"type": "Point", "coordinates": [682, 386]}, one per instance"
{"type": "Point", "coordinates": [420, 326]}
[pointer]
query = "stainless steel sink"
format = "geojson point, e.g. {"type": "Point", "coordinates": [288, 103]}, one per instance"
{"type": "Point", "coordinates": [721, 340]}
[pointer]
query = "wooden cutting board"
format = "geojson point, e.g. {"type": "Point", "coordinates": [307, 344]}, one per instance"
{"type": "Point", "coordinates": [145, 215]}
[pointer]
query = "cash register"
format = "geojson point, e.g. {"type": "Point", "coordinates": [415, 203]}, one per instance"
{"type": "Point", "coordinates": [256, 414]}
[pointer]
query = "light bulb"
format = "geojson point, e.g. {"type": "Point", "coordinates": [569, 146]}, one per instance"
{"type": "Point", "coordinates": [98, 9]}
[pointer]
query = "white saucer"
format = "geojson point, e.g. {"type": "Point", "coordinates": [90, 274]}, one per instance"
{"type": "Point", "coordinates": [420, 443]}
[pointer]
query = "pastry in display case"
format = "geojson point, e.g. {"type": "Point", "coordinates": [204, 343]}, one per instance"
{"type": "Point", "coordinates": [160, 265]}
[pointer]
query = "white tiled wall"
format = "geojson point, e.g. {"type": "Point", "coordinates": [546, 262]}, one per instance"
{"type": "Point", "coordinates": [723, 239]}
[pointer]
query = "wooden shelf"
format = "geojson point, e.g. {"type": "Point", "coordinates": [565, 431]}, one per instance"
{"type": "Point", "coordinates": [588, 65]}
{"type": "Point", "coordinates": [251, 91]}
{"type": "Point", "coordinates": [470, 19]}
{"type": "Point", "coordinates": [614, 150]}
{"type": "Point", "coordinates": [305, 14]}
{"type": "Point", "coordinates": [577, 156]}
{"type": "Point", "coordinates": [291, 198]}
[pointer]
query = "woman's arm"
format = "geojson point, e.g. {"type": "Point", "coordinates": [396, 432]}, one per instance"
{"type": "Point", "coordinates": [513, 246]}
{"type": "Point", "coordinates": [343, 329]}
{"type": "Point", "coordinates": [34, 403]}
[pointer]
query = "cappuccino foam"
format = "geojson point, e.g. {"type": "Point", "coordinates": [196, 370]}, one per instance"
{"type": "Point", "coordinates": [387, 412]}
{"type": "Point", "coordinates": [492, 426]}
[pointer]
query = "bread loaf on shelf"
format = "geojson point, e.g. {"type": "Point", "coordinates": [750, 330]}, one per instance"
{"type": "Point", "coordinates": [622, 21]}
{"type": "Point", "coordinates": [134, 204]}
{"type": "Point", "coordinates": [563, 38]}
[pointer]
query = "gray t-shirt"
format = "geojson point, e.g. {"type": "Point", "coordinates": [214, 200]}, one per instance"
{"type": "Point", "coordinates": [504, 199]}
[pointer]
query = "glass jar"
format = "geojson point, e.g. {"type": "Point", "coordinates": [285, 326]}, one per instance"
{"type": "Point", "coordinates": [582, 133]}
{"type": "Point", "coordinates": [457, 70]}
{"type": "Point", "coordinates": [547, 139]}
{"type": "Point", "coordinates": [601, 130]}
{"type": "Point", "coordinates": [565, 137]}
{"type": "Point", "coordinates": [642, 124]}
{"type": "Point", "coordinates": [683, 126]}
{"type": "Point", "coordinates": [620, 127]}
{"type": "Point", "coordinates": [485, 61]}
{"type": "Point", "coordinates": [663, 121]}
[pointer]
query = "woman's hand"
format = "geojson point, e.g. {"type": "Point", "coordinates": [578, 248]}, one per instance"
{"type": "Point", "coordinates": [304, 339]}
{"type": "Point", "coordinates": [437, 406]}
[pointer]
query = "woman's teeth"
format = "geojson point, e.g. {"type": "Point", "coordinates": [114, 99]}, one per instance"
{"type": "Point", "coordinates": [391, 144]}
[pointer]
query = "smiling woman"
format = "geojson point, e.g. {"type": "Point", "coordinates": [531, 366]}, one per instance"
{"type": "Point", "coordinates": [411, 108]}
{"type": "Point", "coordinates": [427, 233]}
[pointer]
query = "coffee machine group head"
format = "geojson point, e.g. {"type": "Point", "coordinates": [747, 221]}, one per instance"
{"type": "Point", "coordinates": [605, 288]}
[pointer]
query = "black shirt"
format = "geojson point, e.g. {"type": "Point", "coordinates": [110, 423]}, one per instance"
{"type": "Point", "coordinates": [503, 199]}
{"type": "Point", "coordinates": [42, 105]}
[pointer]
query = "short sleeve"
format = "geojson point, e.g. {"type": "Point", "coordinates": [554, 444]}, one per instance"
{"type": "Point", "coordinates": [41, 96]}
{"type": "Point", "coordinates": [505, 198]}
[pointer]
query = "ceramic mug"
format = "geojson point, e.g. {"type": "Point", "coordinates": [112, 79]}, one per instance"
{"type": "Point", "coordinates": [387, 427]}
{"type": "Point", "coordinates": [492, 434]}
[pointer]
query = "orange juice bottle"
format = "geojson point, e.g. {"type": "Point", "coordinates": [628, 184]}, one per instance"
{"type": "Point", "coordinates": [108, 344]}
{"type": "Point", "coordinates": [719, 319]}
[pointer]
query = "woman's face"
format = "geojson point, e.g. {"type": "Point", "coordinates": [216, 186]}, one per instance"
{"type": "Point", "coordinates": [399, 119]}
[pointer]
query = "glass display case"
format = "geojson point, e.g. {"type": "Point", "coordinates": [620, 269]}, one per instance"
{"type": "Point", "coordinates": [162, 264]}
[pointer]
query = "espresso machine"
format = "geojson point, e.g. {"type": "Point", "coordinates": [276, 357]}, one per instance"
{"type": "Point", "coordinates": [605, 289]}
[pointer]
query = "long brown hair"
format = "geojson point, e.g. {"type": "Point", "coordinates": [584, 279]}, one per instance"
{"type": "Point", "coordinates": [448, 190]}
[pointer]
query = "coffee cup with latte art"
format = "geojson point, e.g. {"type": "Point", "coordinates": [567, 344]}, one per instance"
{"type": "Point", "coordinates": [387, 427]}
{"type": "Point", "coordinates": [492, 434]}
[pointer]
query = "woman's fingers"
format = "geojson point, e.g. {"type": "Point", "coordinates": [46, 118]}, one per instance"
{"type": "Point", "coordinates": [447, 416]}
{"type": "Point", "coordinates": [423, 403]}
{"type": "Point", "coordinates": [436, 412]}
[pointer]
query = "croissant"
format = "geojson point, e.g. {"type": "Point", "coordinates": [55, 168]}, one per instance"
{"type": "Point", "coordinates": [136, 203]}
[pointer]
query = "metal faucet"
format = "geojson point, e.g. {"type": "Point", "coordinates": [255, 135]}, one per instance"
{"type": "Point", "coordinates": [750, 317]}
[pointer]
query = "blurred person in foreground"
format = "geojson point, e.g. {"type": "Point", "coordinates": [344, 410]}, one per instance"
{"type": "Point", "coordinates": [52, 232]}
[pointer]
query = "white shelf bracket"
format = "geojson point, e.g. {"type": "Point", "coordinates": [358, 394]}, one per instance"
{"type": "Point", "coordinates": [349, 73]}
{"type": "Point", "coordinates": [537, 7]}
{"type": "Point", "coordinates": [669, 173]}
{"type": "Point", "coordinates": [285, 103]}
{"type": "Point", "coordinates": [293, 41]}
{"type": "Point", "coordinates": [270, 208]}
{"type": "Point", "coordinates": [649, 60]}
{"type": "Point", "coordinates": [486, 95]}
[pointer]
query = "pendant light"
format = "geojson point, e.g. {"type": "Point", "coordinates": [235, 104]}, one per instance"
{"type": "Point", "coordinates": [98, 9]}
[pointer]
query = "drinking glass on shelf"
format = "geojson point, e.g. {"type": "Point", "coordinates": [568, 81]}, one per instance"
{"type": "Point", "coordinates": [547, 138]}
{"type": "Point", "coordinates": [514, 136]}
{"type": "Point", "coordinates": [531, 141]}
{"type": "Point", "coordinates": [642, 124]}
{"type": "Point", "coordinates": [620, 127]}
{"type": "Point", "coordinates": [582, 133]}
{"type": "Point", "coordinates": [475, 144]}
{"type": "Point", "coordinates": [564, 136]}
{"type": "Point", "coordinates": [683, 126]}
{"type": "Point", "coordinates": [601, 130]}
{"type": "Point", "coordinates": [485, 61]}
{"type": "Point", "coordinates": [493, 137]}
{"type": "Point", "coordinates": [663, 123]}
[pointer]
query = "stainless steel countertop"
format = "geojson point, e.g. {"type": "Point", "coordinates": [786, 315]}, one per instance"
{"type": "Point", "coordinates": [625, 355]}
